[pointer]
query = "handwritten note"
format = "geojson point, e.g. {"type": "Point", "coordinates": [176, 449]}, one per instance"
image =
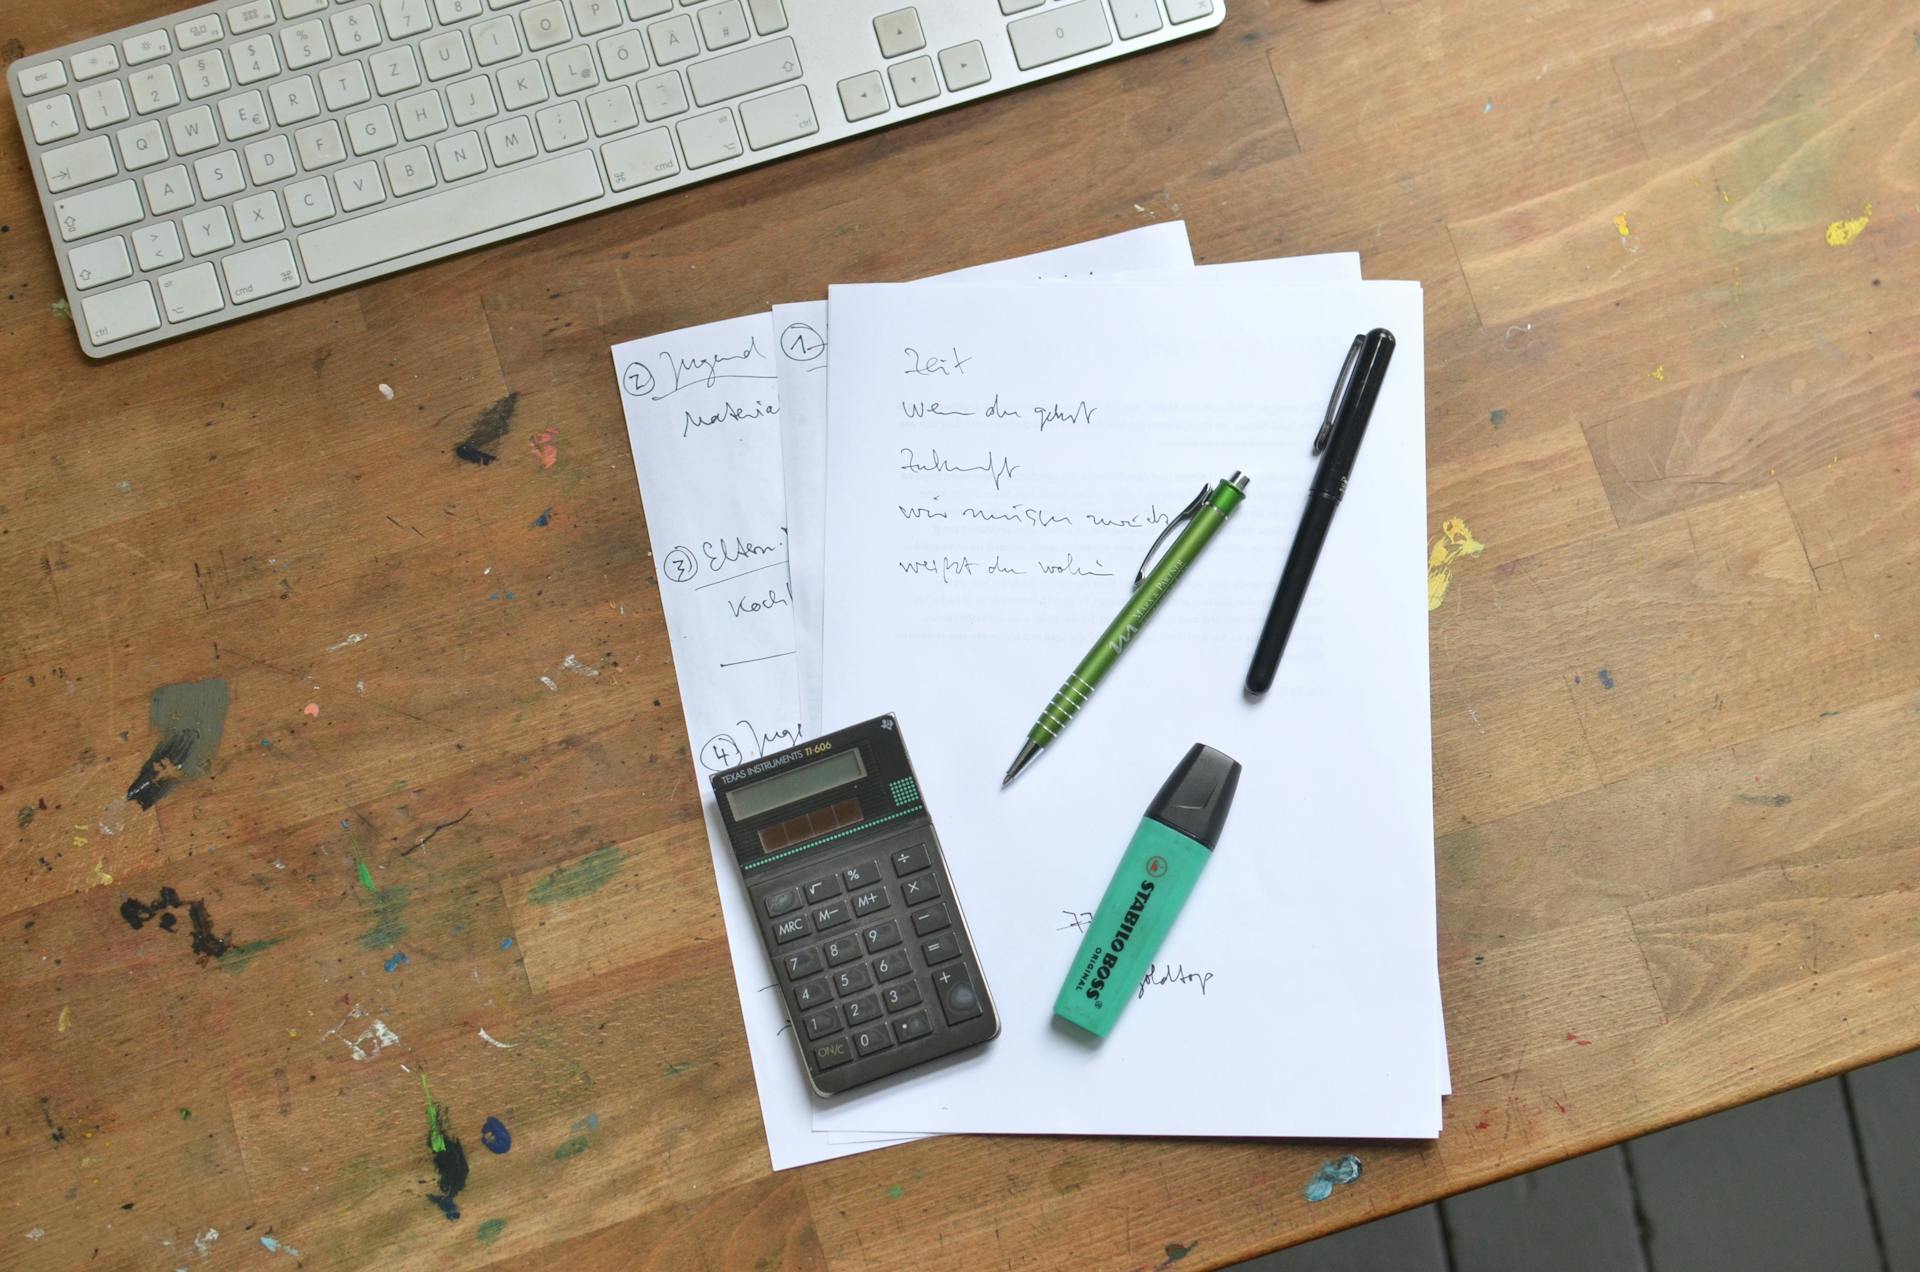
{"type": "Point", "coordinates": [1000, 458]}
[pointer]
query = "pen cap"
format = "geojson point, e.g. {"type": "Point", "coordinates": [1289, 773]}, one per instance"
{"type": "Point", "coordinates": [1198, 794]}
{"type": "Point", "coordinates": [1336, 462]}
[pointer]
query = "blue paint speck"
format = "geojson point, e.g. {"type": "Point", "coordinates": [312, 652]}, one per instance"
{"type": "Point", "coordinates": [1342, 1170]}
{"type": "Point", "coordinates": [344, 823]}
{"type": "Point", "coordinates": [506, 942]}
{"type": "Point", "coordinates": [445, 1205]}
{"type": "Point", "coordinates": [495, 1135]}
{"type": "Point", "coordinates": [266, 744]}
{"type": "Point", "coordinates": [591, 1122]}
{"type": "Point", "coordinates": [396, 960]}
{"type": "Point", "coordinates": [1606, 678]}
{"type": "Point", "coordinates": [543, 518]}
{"type": "Point", "coordinates": [503, 596]}
{"type": "Point", "coordinates": [1576, 677]}
{"type": "Point", "coordinates": [1498, 417]}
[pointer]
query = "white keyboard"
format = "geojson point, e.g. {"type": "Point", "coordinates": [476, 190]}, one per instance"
{"type": "Point", "coordinates": [237, 157]}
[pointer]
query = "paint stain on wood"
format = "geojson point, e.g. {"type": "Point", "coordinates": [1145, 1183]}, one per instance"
{"type": "Point", "coordinates": [1765, 801]}
{"type": "Point", "coordinates": [488, 429]}
{"type": "Point", "coordinates": [388, 924]}
{"type": "Point", "coordinates": [583, 878]}
{"type": "Point", "coordinates": [1841, 233]}
{"type": "Point", "coordinates": [1455, 541]}
{"type": "Point", "coordinates": [1333, 1174]}
{"type": "Point", "coordinates": [205, 942]}
{"type": "Point", "coordinates": [488, 1231]}
{"type": "Point", "coordinates": [449, 1158]}
{"type": "Point", "coordinates": [190, 717]}
{"type": "Point", "coordinates": [544, 448]}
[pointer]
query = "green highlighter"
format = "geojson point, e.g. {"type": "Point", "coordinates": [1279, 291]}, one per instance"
{"type": "Point", "coordinates": [1162, 863]}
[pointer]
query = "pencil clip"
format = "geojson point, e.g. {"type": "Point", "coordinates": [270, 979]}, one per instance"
{"type": "Point", "coordinates": [1184, 515]}
{"type": "Point", "coordinates": [1339, 394]}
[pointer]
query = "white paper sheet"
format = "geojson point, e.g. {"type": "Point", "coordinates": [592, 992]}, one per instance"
{"type": "Point", "coordinates": [702, 410]}
{"type": "Point", "coordinates": [1297, 996]}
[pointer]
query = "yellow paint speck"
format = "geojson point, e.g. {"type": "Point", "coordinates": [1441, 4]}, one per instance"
{"type": "Point", "coordinates": [100, 878]}
{"type": "Point", "coordinates": [1455, 541]}
{"type": "Point", "coordinates": [1659, 372]}
{"type": "Point", "coordinates": [66, 1019]}
{"type": "Point", "coordinates": [1841, 233]}
{"type": "Point", "coordinates": [1620, 224]}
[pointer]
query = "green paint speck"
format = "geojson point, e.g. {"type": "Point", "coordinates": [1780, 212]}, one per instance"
{"type": "Point", "coordinates": [366, 876]}
{"type": "Point", "coordinates": [583, 878]}
{"type": "Point", "coordinates": [487, 1231]}
{"type": "Point", "coordinates": [435, 1140]}
{"type": "Point", "coordinates": [240, 954]}
{"type": "Point", "coordinates": [61, 309]}
{"type": "Point", "coordinates": [185, 1114]}
{"type": "Point", "coordinates": [896, 1192]}
{"type": "Point", "coordinates": [388, 927]}
{"type": "Point", "coordinates": [572, 1148]}
{"type": "Point", "coordinates": [1177, 1252]}
{"type": "Point", "coordinates": [675, 1070]}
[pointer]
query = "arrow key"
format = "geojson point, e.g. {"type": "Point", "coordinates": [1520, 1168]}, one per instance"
{"type": "Point", "coordinates": [97, 264]}
{"type": "Point", "coordinates": [76, 165]}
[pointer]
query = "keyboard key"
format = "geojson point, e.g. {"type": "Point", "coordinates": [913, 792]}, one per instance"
{"type": "Point", "coordinates": [156, 245]}
{"type": "Point", "coordinates": [1188, 10]}
{"type": "Point", "coordinates": [460, 156]}
{"type": "Point", "coordinates": [913, 81]}
{"type": "Point", "coordinates": [360, 187]}
{"type": "Point", "coordinates": [769, 16]}
{"type": "Point", "coordinates": [269, 159]}
{"type": "Point", "coordinates": [141, 146]}
{"type": "Point", "coordinates": [510, 141]}
{"type": "Point", "coordinates": [255, 60]}
{"type": "Point", "coordinates": [321, 146]}
{"type": "Point", "coordinates": [355, 29]}
{"type": "Point", "coordinates": [908, 1028]}
{"type": "Point", "coordinates": [1063, 31]}
{"type": "Point", "coordinates": [673, 40]}
{"type": "Point", "coordinates": [898, 997]}
{"type": "Point", "coordinates": [205, 74]}
{"type": "Point", "coordinates": [452, 11]}
{"type": "Point", "coordinates": [344, 86]}
{"type": "Point", "coordinates": [192, 131]}
{"type": "Point", "coordinates": [445, 55]}
{"type": "Point", "coordinates": [243, 18]}
{"type": "Point", "coordinates": [827, 1055]}
{"type": "Point", "coordinates": [309, 201]}
{"type": "Point", "coordinates": [623, 54]}
{"type": "Point", "coordinates": [76, 165]}
{"type": "Point", "coordinates": [291, 9]}
{"type": "Point", "coordinates": [860, 1010]}
{"type": "Point", "coordinates": [371, 130]}
{"type": "Point", "coordinates": [802, 963]}
{"type": "Point", "coordinates": [747, 71]}
{"type": "Point", "coordinates": [168, 190]}
{"type": "Point", "coordinates": [868, 1041]}
{"type": "Point", "coordinates": [208, 230]}
{"type": "Point", "coordinates": [294, 100]}
{"type": "Point", "coordinates": [1011, 7]}
{"type": "Point", "coordinates": [409, 172]}
{"type": "Point", "coordinates": [859, 876]}
{"type": "Point", "coordinates": [778, 117]}
{"type": "Point", "coordinates": [881, 936]}
{"type": "Point", "coordinates": [911, 858]}
{"type": "Point", "coordinates": [932, 919]}
{"type": "Point", "coordinates": [405, 17]}
{"type": "Point", "coordinates": [258, 216]}
{"type": "Point", "coordinates": [395, 70]}
{"type": "Point", "coordinates": [545, 25]}
{"type": "Point", "coordinates": [195, 32]}
{"type": "Point", "coordinates": [921, 888]}
{"type": "Point", "coordinates": [561, 125]}
{"type": "Point", "coordinates": [103, 104]}
{"type": "Point", "coordinates": [724, 25]}
{"type": "Point", "coordinates": [304, 44]}
{"type": "Point", "coordinates": [661, 96]}
{"type": "Point", "coordinates": [821, 1023]}
{"type": "Point", "coordinates": [572, 70]}
{"type": "Point", "coordinates": [120, 314]}
{"type": "Point", "coordinates": [146, 47]}
{"type": "Point", "coordinates": [809, 994]}
{"type": "Point", "coordinates": [43, 78]}
{"type": "Point", "coordinates": [94, 63]}
{"type": "Point", "coordinates": [103, 208]}
{"type": "Point", "coordinates": [106, 261]}
{"type": "Point", "coordinates": [708, 139]}
{"type": "Point", "coordinates": [497, 40]}
{"type": "Point", "coordinates": [53, 119]}
{"type": "Point", "coordinates": [842, 948]}
{"type": "Point", "coordinates": [892, 965]}
{"type": "Point", "coordinates": [591, 17]}
{"type": "Point", "coordinates": [191, 292]}
{"type": "Point", "coordinates": [243, 115]}
{"type": "Point", "coordinates": [899, 32]}
{"type": "Point", "coordinates": [638, 9]}
{"type": "Point", "coordinates": [863, 97]}
{"type": "Point", "coordinates": [959, 1000]}
{"type": "Point", "coordinates": [940, 949]}
{"type": "Point", "coordinates": [154, 89]}
{"type": "Point", "coordinates": [611, 111]}
{"type": "Point", "coordinates": [522, 85]}
{"type": "Point", "coordinates": [472, 101]}
{"type": "Point", "coordinates": [848, 980]}
{"type": "Point", "coordinates": [1135, 18]}
{"type": "Point", "coordinates": [476, 207]}
{"type": "Point", "coordinates": [965, 65]}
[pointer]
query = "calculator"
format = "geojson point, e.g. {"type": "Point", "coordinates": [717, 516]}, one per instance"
{"type": "Point", "coordinates": [855, 905]}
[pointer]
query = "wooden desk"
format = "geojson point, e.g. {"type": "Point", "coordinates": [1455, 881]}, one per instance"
{"type": "Point", "coordinates": [1676, 690]}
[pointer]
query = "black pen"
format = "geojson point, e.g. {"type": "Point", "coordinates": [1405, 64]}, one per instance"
{"type": "Point", "coordinates": [1337, 443]}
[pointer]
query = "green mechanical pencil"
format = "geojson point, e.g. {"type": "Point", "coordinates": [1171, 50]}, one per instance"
{"type": "Point", "coordinates": [1203, 519]}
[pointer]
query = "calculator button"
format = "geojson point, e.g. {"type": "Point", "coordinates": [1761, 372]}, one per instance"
{"type": "Point", "coordinates": [841, 949]}
{"type": "Point", "coordinates": [908, 860]}
{"type": "Point", "coordinates": [905, 994]}
{"type": "Point", "coordinates": [790, 929]}
{"type": "Point", "coordinates": [865, 903]}
{"type": "Point", "coordinates": [831, 915]}
{"type": "Point", "coordinates": [891, 966]}
{"type": "Point", "coordinates": [851, 980]}
{"type": "Point", "coordinates": [828, 1054]}
{"type": "Point", "coordinates": [861, 1010]}
{"type": "Point", "coordinates": [801, 963]}
{"type": "Point", "coordinates": [925, 887]}
{"type": "Point", "coordinates": [861, 875]}
{"type": "Point", "coordinates": [958, 998]}
{"type": "Point", "coordinates": [915, 1025]}
{"type": "Point", "coordinates": [820, 889]}
{"type": "Point", "coordinates": [820, 1023]}
{"type": "Point", "coordinates": [931, 919]}
{"type": "Point", "coordinates": [812, 994]}
{"type": "Point", "coordinates": [882, 935]}
{"type": "Point", "coordinates": [868, 1041]}
{"type": "Point", "coordinates": [780, 900]}
{"type": "Point", "coordinates": [941, 949]}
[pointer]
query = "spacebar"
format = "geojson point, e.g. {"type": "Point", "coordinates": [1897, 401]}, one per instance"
{"type": "Point", "coordinates": [443, 219]}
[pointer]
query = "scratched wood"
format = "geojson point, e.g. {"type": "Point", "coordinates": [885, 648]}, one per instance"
{"type": "Point", "coordinates": [1675, 692]}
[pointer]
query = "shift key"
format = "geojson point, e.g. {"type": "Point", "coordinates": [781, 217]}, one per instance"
{"type": "Point", "coordinates": [748, 71]}
{"type": "Point", "coordinates": [107, 208]}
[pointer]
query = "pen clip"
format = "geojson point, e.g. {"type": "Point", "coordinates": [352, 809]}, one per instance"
{"type": "Point", "coordinates": [1184, 515]}
{"type": "Point", "coordinates": [1339, 395]}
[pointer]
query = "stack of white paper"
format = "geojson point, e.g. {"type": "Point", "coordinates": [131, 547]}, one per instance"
{"type": "Point", "coordinates": [830, 546]}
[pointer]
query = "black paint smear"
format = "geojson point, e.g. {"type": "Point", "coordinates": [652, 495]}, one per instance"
{"type": "Point", "coordinates": [450, 1165]}
{"type": "Point", "coordinates": [488, 429]}
{"type": "Point", "coordinates": [206, 942]}
{"type": "Point", "coordinates": [58, 1134]}
{"type": "Point", "coordinates": [172, 752]}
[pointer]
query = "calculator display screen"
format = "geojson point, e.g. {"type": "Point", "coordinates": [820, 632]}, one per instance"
{"type": "Point", "coordinates": [797, 784]}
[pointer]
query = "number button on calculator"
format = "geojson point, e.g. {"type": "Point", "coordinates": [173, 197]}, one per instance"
{"type": "Point", "coordinates": [882, 936]}
{"type": "Point", "coordinates": [811, 995]}
{"type": "Point", "coordinates": [861, 1010]}
{"type": "Point", "coordinates": [801, 963]}
{"type": "Point", "coordinates": [892, 966]}
{"type": "Point", "coordinates": [821, 1023]}
{"type": "Point", "coordinates": [852, 980]}
{"type": "Point", "coordinates": [868, 1041]}
{"type": "Point", "coordinates": [905, 994]}
{"type": "Point", "coordinates": [842, 949]}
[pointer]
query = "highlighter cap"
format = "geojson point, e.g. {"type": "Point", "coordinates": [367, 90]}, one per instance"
{"type": "Point", "coordinates": [1197, 795]}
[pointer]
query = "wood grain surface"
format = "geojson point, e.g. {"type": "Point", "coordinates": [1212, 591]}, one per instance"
{"type": "Point", "coordinates": [1676, 691]}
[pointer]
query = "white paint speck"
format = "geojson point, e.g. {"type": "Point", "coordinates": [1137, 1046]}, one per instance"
{"type": "Point", "coordinates": [277, 1247]}
{"type": "Point", "coordinates": [370, 1042]}
{"type": "Point", "coordinates": [204, 1242]}
{"type": "Point", "coordinates": [125, 487]}
{"type": "Point", "coordinates": [1488, 108]}
{"type": "Point", "coordinates": [578, 668]}
{"type": "Point", "coordinates": [353, 638]}
{"type": "Point", "coordinates": [34, 1234]}
{"type": "Point", "coordinates": [1476, 720]}
{"type": "Point", "coordinates": [504, 1046]}
{"type": "Point", "coordinates": [359, 686]}
{"type": "Point", "coordinates": [548, 682]}
{"type": "Point", "coordinates": [386, 391]}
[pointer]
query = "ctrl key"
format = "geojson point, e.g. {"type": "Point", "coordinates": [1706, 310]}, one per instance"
{"type": "Point", "coordinates": [121, 314]}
